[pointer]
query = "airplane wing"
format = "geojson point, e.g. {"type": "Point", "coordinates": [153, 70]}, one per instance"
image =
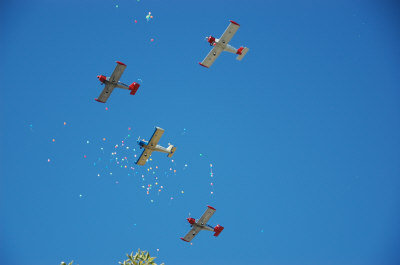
{"type": "Point", "coordinates": [229, 32]}
{"type": "Point", "coordinates": [211, 56]}
{"type": "Point", "coordinates": [143, 157]}
{"type": "Point", "coordinates": [206, 216]}
{"type": "Point", "coordinates": [156, 136]}
{"type": "Point", "coordinates": [105, 94]}
{"type": "Point", "coordinates": [191, 234]}
{"type": "Point", "coordinates": [116, 75]}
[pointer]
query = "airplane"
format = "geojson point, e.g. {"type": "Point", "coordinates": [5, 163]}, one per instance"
{"type": "Point", "coordinates": [201, 224]}
{"type": "Point", "coordinates": [152, 145]}
{"type": "Point", "coordinates": [113, 82]}
{"type": "Point", "coordinates": [221, 45]}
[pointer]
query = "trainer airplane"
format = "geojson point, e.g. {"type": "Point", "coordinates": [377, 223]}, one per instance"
{"type": "Point", "coordinates": [152, 145]}
{"type": "Point", "coordinates": [201, 224]}
{"type": "Point", "coordinates": [113, 82]}
{"type": "Point", "coordinates": [221, 44]}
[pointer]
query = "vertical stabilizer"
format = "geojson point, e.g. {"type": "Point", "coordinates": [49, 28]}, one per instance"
{"type": "Point", "coordinates": [171, 149]}
{"type": "Point", "coordinates": [242, 53]}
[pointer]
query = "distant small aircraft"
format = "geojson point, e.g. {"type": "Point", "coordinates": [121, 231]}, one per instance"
{"type": "Point", "coordinates": [221, 45]}
{"type": "Point", "coordinates": [201, 224]}
{"type": "Point", "coordinates": [113, 82]}
{"type": "Point", "coordinates": [152, 145]}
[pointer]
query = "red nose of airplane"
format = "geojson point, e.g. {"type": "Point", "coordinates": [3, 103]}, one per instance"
{"type": "Point", "coordinates": [102, 78]}
{"type": "Point", "coordinates": [191, 220]}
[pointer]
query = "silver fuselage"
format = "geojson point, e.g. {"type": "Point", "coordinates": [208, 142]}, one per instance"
{"type": "Point", "coordinates": [158, 148]}
{"type": "Point", "coordinates": [203, 227]}
{"type": "Point", "coordinates": [225, 46]}
{"type": "Point", "coordinates": [116, 84]}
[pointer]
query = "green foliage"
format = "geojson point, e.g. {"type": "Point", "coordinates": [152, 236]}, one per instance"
{"type": "Point", "coordinates": [140, 258]}
{"type": "Point", "coordinates": [63, 263]}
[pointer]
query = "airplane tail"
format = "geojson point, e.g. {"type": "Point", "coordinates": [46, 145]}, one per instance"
{"type": "Point", "coordinates": [171, 149]}
{"type": "Point", "coordinates": [242, 52]}
{"type": "Point", "coordinates": [218, 229]}
{"type": "Point", "coordinates": [134, 87]}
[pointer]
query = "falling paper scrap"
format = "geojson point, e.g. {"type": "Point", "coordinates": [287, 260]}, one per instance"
{"type": "Point", "coordinates": [149, 16]}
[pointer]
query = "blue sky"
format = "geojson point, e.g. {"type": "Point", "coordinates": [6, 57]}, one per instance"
{"type": "Point", "coordinates": [302, 135]}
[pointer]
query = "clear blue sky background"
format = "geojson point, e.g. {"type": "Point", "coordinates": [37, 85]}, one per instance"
{"type": "Point", "coordinates": [303, 134]}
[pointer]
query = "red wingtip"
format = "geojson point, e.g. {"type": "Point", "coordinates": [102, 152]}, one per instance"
{"type": "Point", "coordinates": [184, 239]}
{"type": "Point", "coordinates": [211, 207]}
{"type": "Point", "coordinates": [99, 100]}
{"type": "Point", "coordinates": [203, 65]}
{"type": "Point", "coordinates": [118, 62]}
{"type": "Point", "coordinates": [234, 22]}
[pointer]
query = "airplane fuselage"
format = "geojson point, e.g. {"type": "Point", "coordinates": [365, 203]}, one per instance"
{"type": "Point", "coordinates": [157, 148]}
{"type": "Point", "coordinates": [204, 227]}
{"type": "Point", "coordinates": [106, 80]}
{"type": "Point", "coordinates": [225, 46]}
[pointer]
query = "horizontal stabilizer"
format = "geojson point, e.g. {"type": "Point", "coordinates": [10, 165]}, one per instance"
{"type": "Point", "coordinates": [134, 87]}
{"type": "Point", "coordinates": [243, 53]}
{"type": "Point", "coordinates": [218, 229]}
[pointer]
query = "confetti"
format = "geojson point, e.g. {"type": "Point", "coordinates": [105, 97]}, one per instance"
{"type": "Point", "coordinates": [151, 40]}
{"type": "Point", "coordinates": [149, 16]}
{"type": "Point", "coordinates": [65, 123]}
{"type": "Point", "coordinates": [54, 140]}
{"type": "Point", "coordinates": [48, 159]}
{"type": "Point", "coordinates": [80, 195]}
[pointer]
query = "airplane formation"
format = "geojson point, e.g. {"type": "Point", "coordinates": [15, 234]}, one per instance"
{"type": "Point", "coordinates": [218, 46]}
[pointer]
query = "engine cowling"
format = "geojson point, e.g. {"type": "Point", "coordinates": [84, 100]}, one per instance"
{"type": "Point", "coordinates": [211, 40]}
{"type": "Point", "coordinates": [191, 220]}
{"type": "Point", "coordinates": [102, 78]}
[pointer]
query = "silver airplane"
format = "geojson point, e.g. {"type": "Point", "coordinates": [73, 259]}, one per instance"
{"type": "Point", "coordinates": [152, 146]}
{"type": "Point", "coordinates": [221, 44]}
{"type": "Point", "coordinates": [201, 224]}
{"type": "Point", "coordinates": [113, 82]}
